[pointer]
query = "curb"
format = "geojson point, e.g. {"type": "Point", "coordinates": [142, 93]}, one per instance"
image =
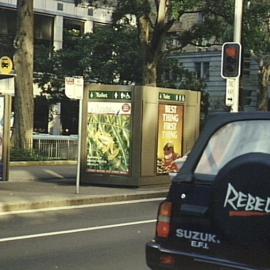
{"type": "Point", "coordinates": [42, 163]}
{"type": "Point", "coordinates": [35, 205]}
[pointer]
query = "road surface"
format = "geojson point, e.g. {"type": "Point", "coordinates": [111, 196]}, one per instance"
{"type": "Point", "coordinates": [111, 236]}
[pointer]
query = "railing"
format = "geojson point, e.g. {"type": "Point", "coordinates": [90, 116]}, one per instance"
{"type": "Point", "coordinates": [54, 147]}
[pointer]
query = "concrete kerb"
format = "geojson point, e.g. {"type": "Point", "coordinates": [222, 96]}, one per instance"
{"type": "Point", "coordinates": [6, 207]}
{"type": "Point", "coordinates": [42, 163]}
{"type": "Point", "coordinates": [38, 194]}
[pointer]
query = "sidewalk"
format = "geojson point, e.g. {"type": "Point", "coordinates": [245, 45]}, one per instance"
{"type": "Point", "coordinates": [37, 187]}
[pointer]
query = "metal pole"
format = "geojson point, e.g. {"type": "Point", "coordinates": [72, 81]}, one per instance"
{"type": "Point", "coordinates": [238, 11]}
{"type": "Point", "coordinates": [79, 148]}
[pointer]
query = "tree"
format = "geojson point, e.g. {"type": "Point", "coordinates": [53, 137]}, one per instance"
{"type": "Point", "coordinates": [264, 82]}
{"type": "Point", "coordinates": [110, 55]}
{"type": "Point", "coordinates": [23, 63]}
{"type": "Point", "coordinates": [255, 35]}
{"type": "Point", "coordinates": [154, 19]}
{"type": "Point", "coordinates": [113, 55]}
{"type": "Point", "coordinates": [256, 38]}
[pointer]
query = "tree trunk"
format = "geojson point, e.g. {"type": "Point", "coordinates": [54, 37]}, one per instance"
{"type": "Point", "coordinates": [151, 38]}
{"type": "Point", "coordinates": [264, 88]}
{"type": "Point", "coordinates": [150, 69]}
{"type": "Point", "coordinates": [23, 63]}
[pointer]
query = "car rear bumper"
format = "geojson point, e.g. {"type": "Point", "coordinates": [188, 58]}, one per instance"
{"type": "Point", "coordinates": [161, 258]}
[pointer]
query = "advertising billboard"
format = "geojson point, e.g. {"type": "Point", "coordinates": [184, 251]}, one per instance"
{"type": "Point", "coordinates": [109, 137]}
{"type": "Point", "coordinates": [170, 136]}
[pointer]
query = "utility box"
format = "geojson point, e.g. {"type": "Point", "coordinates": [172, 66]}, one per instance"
{"type": "Point", "coordinates": [131, 135]}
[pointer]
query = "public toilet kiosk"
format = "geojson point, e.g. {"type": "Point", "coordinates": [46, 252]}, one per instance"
{"type": "Point", "coordinates": [132, 134]}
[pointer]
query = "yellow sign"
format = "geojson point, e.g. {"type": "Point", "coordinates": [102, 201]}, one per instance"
{"type": "Point", "coordinates": [6, 65]}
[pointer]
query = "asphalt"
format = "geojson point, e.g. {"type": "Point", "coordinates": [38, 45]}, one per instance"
{"type": "Point", "coordinates": [38, 186]}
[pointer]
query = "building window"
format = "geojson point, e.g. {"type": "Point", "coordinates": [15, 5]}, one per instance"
{"type": "Point", "coordinates": [246, 66]}
{"type": "Point", "coordinates": [197, 67]}
{"type": "Point", "coordinates": [7, 31]}
{"type": "Point", "coordinates": [60, 6]}
{"type": "Point", "coordinates": [90, 12]}
{"type": "Point", "coordinates": [202, 70]}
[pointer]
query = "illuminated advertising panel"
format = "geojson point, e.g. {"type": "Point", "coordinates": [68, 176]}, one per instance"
{"type": "Point", "coordinates": [170, 135]}
{"type": "Point", "coordinates": [109, 137]}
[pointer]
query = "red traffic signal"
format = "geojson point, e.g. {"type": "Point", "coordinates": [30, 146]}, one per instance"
{"type": "Point", "coordinates": [231, 60]}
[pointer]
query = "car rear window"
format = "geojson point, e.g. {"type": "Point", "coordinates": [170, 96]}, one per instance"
{"type": "Point", "coordinates": [232, 140]}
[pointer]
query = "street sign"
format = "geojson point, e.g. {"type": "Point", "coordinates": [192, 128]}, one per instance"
{"type": "Point", "coordinates": [6, 65]}
{"type": "Point", "coordinates": [74, 87]}
{"type": "Point", "coordinates": [114, 95]}
{"type": "Point", "coordinates": [7, 86]}
{"type": "Point", "coordinates": [230, 90]}
{"type": "Point", "coordinates": [171, 97]}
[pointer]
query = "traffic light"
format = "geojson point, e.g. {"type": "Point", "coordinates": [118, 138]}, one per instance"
{"type": "Point", "coordinates": [231, 60]}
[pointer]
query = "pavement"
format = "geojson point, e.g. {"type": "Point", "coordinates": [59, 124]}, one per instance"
{"type": "Point", "coordinates": [38, 186]}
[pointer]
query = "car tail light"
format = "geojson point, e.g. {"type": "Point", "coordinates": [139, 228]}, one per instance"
{"type": "Point", "coordinates": [167, 260]}
{"type": "Point", "coordinates": [164, 219]}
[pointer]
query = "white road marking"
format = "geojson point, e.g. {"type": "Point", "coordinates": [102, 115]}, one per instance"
{"type": "Point", "coordinates": [78, 206]}
{"type": "Point", "coordinates": [31, 236]}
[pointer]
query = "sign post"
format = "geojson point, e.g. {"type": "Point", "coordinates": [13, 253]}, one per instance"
{"type": "Point", "coordinates": [230, 88]}
{"type": "Point", "coordinates": [231, 60]}
{"type": "Point", "coordinates": [74, 90]}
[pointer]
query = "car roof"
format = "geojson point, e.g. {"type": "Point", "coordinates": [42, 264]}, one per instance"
{"type": "Point", "coordinates": [214, 122]}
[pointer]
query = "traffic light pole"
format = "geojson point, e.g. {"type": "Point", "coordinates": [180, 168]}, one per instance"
{"type": "Point", "coordinates": [238, 11]}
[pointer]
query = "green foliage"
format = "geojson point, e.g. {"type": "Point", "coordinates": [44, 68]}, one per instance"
{"type": "Point", "coordinates": [256, 30]}
{"type": "Point", "coordinates": [115, 55]}
{"type": "Point", "coordinates": [180, 7]}
{"type": "Point", "coordinates": [218, 23]}
{"type": "Point", "coordinates": [110, 55]}
{"type": "Point", "coordinates": [49, 74]}
{"type": "Point", "coordinates": [18, 154]}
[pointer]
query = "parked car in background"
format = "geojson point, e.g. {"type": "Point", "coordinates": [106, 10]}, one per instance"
{"type": "Point", "coordinates": [217, 212]}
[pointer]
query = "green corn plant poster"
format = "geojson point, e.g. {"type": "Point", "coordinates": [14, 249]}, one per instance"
{"type": "Point", "coordinates": [109, 137]}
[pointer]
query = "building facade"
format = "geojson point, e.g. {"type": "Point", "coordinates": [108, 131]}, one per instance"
{"type": "Point", "coordinates": [205, 63]}
{"type": "Point", "coordinates": [207, 67]}
{"type": "Point", "coordinates": [52, 18]}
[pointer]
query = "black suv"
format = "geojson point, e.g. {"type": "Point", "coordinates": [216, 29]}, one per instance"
{"type": "Point", "coordinates": [217, 212]}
